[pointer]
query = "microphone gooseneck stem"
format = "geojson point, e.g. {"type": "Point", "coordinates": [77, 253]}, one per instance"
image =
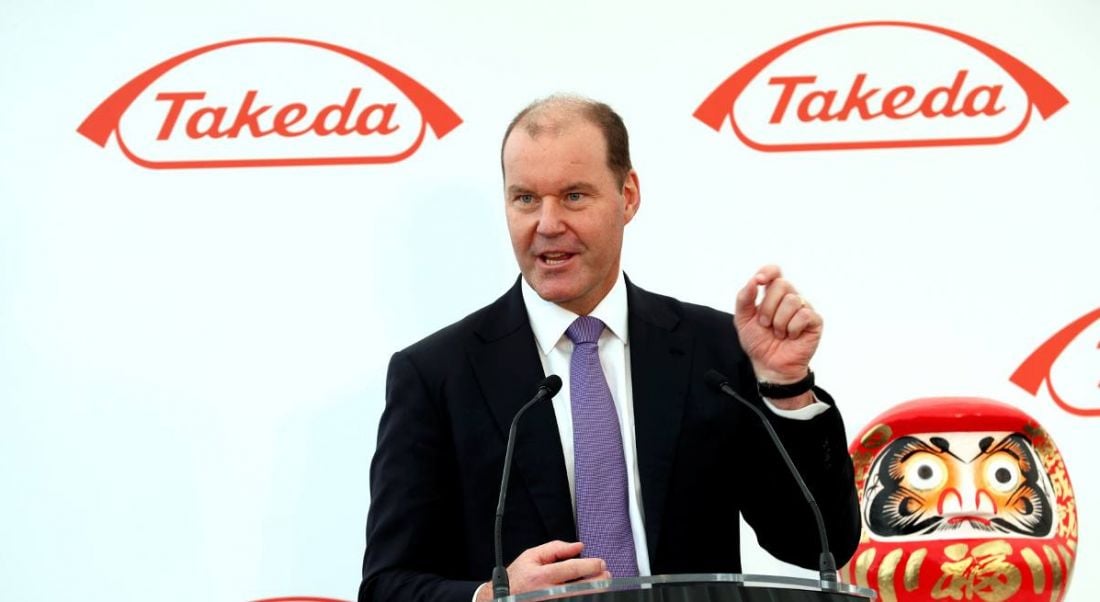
{"type": "Point", "coordinates": [501, 588]}
{"type": "Point", "coordinates": [547, 389]}
{"type": "Point", "coordinates": [826, 562]}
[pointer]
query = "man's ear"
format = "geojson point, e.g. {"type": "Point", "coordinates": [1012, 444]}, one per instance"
{"type": "Point", "coordinates": [632, 196]}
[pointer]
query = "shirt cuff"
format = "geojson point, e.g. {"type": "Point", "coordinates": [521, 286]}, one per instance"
{"type": "Point", "coordinates": [478, 590]}
{"type": "Point", "coordinates": [813, 410]}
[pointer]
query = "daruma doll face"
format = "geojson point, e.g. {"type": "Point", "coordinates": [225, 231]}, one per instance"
{"type": "Point", "coordinates": [961, 499]}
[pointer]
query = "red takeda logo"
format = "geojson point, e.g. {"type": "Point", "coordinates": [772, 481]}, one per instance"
{"type": "Point", "coordinates": [1070, 356]}
{"type": "Point", "coordinates": [262, 102]}
{"type": "Point", "coordinates": [880, 84]}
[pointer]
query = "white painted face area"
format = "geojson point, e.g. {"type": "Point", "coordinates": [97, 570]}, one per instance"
{"type": "Point", "coordinates": [954, 485]}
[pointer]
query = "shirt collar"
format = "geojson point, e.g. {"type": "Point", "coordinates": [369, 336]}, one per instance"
{"type": "Point", "coordinates": [549, 321]}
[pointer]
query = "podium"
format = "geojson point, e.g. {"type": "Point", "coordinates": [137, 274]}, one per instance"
{"type": "Point", "coordinates": [710, 587]}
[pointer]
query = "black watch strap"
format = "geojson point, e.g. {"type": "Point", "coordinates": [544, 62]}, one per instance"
{"type": "Point", "coordinates": [774, 391]}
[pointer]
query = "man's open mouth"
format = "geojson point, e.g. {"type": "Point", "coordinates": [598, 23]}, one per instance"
{"type": "Point", "coordinates": [555, 258]}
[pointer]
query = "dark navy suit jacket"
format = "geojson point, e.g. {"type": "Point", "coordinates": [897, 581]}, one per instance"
{"type": "Point", "coordinates": [702, 458]}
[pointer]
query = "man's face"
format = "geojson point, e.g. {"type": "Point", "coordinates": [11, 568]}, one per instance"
{"type": "Point", "coordinates": [566, 213]}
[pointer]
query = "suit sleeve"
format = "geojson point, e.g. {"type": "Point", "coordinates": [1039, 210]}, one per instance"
{"type": "Point", "coordinates": [779, 514]}
{"type": "Point", "coordinates": [412, 526]}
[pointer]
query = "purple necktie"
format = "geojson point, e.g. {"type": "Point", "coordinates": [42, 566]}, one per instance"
{"type": "Point", "coordinates": [599, 467]}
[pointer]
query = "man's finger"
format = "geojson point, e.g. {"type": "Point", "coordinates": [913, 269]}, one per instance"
{"type": "Point", "coordinates": [788, 307]}
{"type": "Point", "coordinates": [555, 551]}
{"type": "Point", "coordinates": [746, 299]}
{"type": "Point", "coordinates": [573, 569]}
{"type": "Point", "coordinates": [768, 273]}
{"type": "Point", "coordinates": [604, 576]}
{"type": "Point", "coordinates": [805, 319]}
{"type": "Point", "coordinates": [773, 295]}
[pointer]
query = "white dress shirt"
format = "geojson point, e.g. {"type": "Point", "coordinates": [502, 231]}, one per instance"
{"type": "Point", "coordinates": [549, 323]}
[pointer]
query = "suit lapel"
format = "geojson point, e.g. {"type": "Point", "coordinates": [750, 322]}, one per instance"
{"type": "Point", "coordinates": [507, 367]}
{"type": "Point", "coordinates": [660, 362]}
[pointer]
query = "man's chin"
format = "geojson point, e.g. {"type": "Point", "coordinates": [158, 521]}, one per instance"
{"type": "Point", "coordinates": [553, 290]}
{"type": "Point", "coordinates": [554, 295]}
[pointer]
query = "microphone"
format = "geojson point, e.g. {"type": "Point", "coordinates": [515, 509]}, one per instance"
{"type": "Point", "coordinates": [826, 562]}
{"type": "Point", "coordinates": [548, 387]}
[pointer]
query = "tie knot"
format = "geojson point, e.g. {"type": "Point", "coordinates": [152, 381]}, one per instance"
{"type": "Point", "coordinates": [584, 329]}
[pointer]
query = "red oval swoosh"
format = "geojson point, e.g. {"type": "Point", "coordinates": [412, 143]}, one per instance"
{"type": "Point", "coordinates": [714, 109]}
{"type": "Point", "coordinates": [1036, 368]}
{"type": "Point", "coordinates": [98, 126]}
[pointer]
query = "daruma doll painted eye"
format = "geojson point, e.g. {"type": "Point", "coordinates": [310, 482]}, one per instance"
{"type": "Point", "coordinates": [962, 499]}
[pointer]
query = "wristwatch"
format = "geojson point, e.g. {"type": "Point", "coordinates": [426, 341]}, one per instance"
{"type": "Point", "coordinates": [776, 391]}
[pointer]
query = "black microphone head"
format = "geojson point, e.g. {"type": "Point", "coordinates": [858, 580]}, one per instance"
{"type": "Point", "coordinates": [552, 384]}
{"type": "Point", "coordinates": [715, 378]}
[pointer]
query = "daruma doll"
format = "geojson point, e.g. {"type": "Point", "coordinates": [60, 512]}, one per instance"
{"type": "Point", "coordinates": [962, 499]}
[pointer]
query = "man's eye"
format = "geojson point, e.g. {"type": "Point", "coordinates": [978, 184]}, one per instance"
{"type": "Point", "coordinates": [574, 196]}
{"type": "Point", "coordinates": [526, 199]}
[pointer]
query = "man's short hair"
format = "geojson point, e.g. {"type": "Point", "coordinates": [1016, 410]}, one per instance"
{"type": "Point", "coordinates": [597, 113]}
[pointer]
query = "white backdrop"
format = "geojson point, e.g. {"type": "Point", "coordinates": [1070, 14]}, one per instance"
{"type": "Point", "coordinates": [192, 361]}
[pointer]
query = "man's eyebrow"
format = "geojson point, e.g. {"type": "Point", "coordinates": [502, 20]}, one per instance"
{"type": "Point", "coordinates": [579, 185]}
{"type": "Point", "coordinates": [516, 189]}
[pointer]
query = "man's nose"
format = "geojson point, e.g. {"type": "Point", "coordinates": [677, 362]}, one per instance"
{"type": "Point", "coordinates": [551, 217]}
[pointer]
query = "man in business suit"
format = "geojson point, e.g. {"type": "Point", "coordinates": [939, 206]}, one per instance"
{"type": "Point", "coordinates": [636, 467]}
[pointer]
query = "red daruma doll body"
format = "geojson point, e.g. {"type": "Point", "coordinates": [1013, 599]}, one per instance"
{"type": "Point", "coordinates": [962, 499]}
